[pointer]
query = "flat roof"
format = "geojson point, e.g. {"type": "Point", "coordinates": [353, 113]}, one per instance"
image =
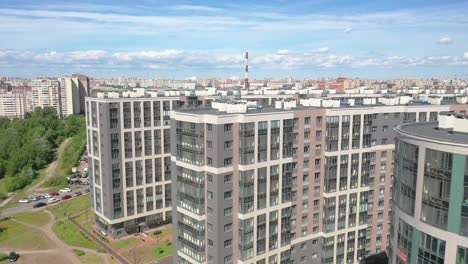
{"type": "Point", "coordinates": [431, 130]}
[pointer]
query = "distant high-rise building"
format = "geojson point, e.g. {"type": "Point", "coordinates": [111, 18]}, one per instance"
{"type": "Point", "coordinates": [430, 192]}
{"type": "Point", "coordinates": [64, 94]}
{"type": "Point", "coordinates": [12, 105]}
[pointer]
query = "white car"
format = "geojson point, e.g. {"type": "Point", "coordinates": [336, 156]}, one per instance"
{"type": "Point", "coordinates": [47, 196]}
{"type": "Point", "coordinates": [53, 200]}
{"type": "Point", "coordinates": [65, 190]}
{"type": "Point", "coordinates": [24, 200]}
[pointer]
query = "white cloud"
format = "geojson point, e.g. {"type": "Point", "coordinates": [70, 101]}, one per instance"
{"type": "Point", "coordinates": [196, 60]}
{"type": "Point", "coordinates": [196, 8]}
{"type": "Point", "coordinates": [445, 41]}
{"type": "Point", "coordinates": [348, 30]}
{"type": "Point", "coordinates": [282, 52]}
{"type": "Point", "coordinates": [321, 50]}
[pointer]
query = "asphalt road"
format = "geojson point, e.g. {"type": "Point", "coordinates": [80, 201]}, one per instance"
{"type": "Point", "coordinates": [29, 206]}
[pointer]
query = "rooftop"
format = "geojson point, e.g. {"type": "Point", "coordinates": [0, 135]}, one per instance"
{"type": "Point", "coordinates": [432, 131]}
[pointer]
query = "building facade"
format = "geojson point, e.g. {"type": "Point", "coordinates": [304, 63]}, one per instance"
{"type": "Point", "coordinates": [12, 105]}
{"type": "Point", "coordinates": [430, 212]}
{"type": "Point", "coordinates": [285, 185]}
{"type": "Point", "coordinates": [129, 162]}
{"type": "Point", "coordinates": [66, 95]}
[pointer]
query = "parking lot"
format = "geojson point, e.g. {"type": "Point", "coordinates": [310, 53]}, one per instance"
{"type": "Point", "coordinates": [78, 184]}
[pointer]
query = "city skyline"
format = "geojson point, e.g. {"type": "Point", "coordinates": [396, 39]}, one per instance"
{"type": "Point", "coordinates": [207, 39]}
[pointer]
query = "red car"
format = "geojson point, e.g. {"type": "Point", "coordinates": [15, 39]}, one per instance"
{"type": "Point", "coordinates": [66, 197]}
{"type": "Point", "coordinates": [54, 194]}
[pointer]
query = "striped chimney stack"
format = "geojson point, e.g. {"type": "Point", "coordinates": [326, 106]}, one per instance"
{"type": "Point", "coordinates": [246, 80]}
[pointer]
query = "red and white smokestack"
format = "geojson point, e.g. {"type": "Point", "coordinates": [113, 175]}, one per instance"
{"type": "Point", "coordinates": [246, 81]}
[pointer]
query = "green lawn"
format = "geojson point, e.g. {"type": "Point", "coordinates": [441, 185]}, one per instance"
{"type": "Point", "coordinates": [38, 218]}
{"type": "Point", "coordinates": [124, 243]}
{"type": "Point", "coordinates": [142, 254]}
{"type": "Point", "coordinates": [165, 232]}
{"type": "Point", "coordinates": [70, 206]}
{"type": "Point", "coordinates": [112, 260]}
{"type": "Point", "coordinates": [163, 250]}
{"type": "Point", "coordinates": [89, 215]}
{"type": "Point", "coordinates": [70, 234]}
{"type": "Point", "coordinates": [90, 258]}
{"type": "Point", "coordinates": [13, 234]}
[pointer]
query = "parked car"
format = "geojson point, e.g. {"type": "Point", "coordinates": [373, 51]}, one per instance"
{"type": "Point", "coordinates": [13, 257]}
{"type": "Point", "coordinates": [86, 191]}
{"type": "Point", "coordinates": [65, 190]}
{"type": "Point", "coordinates": [24, 200]}
{"type": "Point", "coordinates": [35, 198]}
{"type": "Point", "coordinates": [84, 183]}
{"type": "Point", "coordinates": [47, 196]}
{"type": "Point", "coordinates": [77, 194]}
{"type": "Point", "coordinates": [66, 197]}
{"type": "Point", "coordinates": [53, 200]}
{"type": "Point", "coordinates": [39, 205]}
{"type": "Point", "coordinates": [54, 194]}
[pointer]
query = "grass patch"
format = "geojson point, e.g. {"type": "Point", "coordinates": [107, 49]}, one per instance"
{"type": "Point", "coordinates": [71, 206]}
{"type": "Point", "coordinates": [164, 232]}
{"type": "Point", "coordinates": [88, 215]}
{"type": "Point", "coordinates": [3, 256]}
{"type": "Point", "coordinates": [56, 182]}
{"type": "Point", "coordinates": [72, 153]}
{"type": "Point", "coordinates": [143, 254]}
{"type": "Point", "coordinates": [38, 218]}
{"type": "Point", "coordinates": [78, 252]}
{"type": "Point", "coordinates": [125, 243]}
{"type": "Point", "coordinates": [16, 235]}
{"type": "Point", "coordinates": [163, 250]}
{"type": "Point", "coordinates": [70, 234]}
{"type": "Point", "coordinates": [90, 258]}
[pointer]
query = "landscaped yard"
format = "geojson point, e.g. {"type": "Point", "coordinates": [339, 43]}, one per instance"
{"type": "Point", "coordinates": [70, 206]}
{"type": "Point", "coordinates": [140, 255]}
{"type": "Point", "coordinates": [124, 243]}
{"type": "Point", "coordinates": [38, 218]}
{"type": "Point", "coordinates": [164, 232]}
{"type": "Point", "coordinates": [19, 236]}
{"type": "Point", "coordinates": [90, 258]}
{"type": "Point", "coordinates": [88, 215]}
{"type": "Point", "coordinates": [70, 234]}
{"type": "Point", "coordinates": [163, 249]}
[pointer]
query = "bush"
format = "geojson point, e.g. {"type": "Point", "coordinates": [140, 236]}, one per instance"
{"type": "Point", "coordinates": [78, 252]}
{"type": "Point", "coordinates": [2, 196]}
{"type": "Point", "coordinates": [19, 181]}
{"type": "Point", "coordinates": [56, 181]}
{"type": "Point", "coordinates": [3, 256]}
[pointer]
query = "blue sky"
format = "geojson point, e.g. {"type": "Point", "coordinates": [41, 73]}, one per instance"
{"type": "Point", "coordinates": [375, 39]}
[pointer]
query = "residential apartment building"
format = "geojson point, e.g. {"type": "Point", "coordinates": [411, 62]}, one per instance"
{"type": "Point", "coordinates": [12, 105]}
{"type": "Point", "coordinates": [285, 184]}
{"type": "Point", "coordinates": [430, 201]}
{"type": "Point", "coordinates": [64, 94]}
{"type": "Point", "coordinates": [45, 93]}
{"type": "Point", "coordinates": [129, 159]}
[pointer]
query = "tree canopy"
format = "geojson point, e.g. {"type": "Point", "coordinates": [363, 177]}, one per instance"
{"type": "Point", "coordinates": [28, 144]}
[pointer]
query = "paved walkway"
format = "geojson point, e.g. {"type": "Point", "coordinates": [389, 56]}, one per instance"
{"type": "Point", "coordinates": [99, 241]}
{"type": "Point", "coordinates": [58, 244]}
{"type": "Point", "coordinates": [148, 240]}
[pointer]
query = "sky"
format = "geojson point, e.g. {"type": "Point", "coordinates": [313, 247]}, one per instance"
{"type": "Point", "coordinates": [181, 39]}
